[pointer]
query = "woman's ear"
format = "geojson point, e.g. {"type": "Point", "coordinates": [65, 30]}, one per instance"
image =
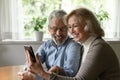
{"type": "Point", "coordinates": [87, 26]}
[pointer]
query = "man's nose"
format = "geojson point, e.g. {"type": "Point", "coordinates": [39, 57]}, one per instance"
{"type": "Point", "coordinates": [58, 32]}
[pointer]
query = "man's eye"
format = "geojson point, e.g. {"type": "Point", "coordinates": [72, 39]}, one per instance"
{"type": "Point", "coordinates": [69, 26]}
{"type": "Point", "coordinates": [53, 28]}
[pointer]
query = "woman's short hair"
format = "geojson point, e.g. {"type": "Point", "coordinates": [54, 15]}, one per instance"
{"type": "Point", "coordinates": [92, 24]}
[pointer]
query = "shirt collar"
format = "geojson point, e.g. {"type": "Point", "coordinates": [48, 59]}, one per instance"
{"type": "Point", "coordinates": [89, 41]}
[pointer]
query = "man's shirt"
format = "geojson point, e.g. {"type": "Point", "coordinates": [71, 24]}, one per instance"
{"type": "Point", "coordinates": [66, 55]}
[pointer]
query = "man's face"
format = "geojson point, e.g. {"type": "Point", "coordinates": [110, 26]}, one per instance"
{"type": "Point", "coordinates": [58, 30]}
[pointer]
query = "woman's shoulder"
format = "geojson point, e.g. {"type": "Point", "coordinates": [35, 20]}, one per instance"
{"type": "Point", "coordinates": [102, 49]}
{"type": "Point", "coordinates": [101, 43]}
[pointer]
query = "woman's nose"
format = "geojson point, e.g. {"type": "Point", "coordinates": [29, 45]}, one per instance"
{"type": "Point", "coordinates": [71, 30]}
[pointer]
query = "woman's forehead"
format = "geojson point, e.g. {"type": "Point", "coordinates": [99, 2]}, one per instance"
{"type": "Point", "coordinates": [74, 19]}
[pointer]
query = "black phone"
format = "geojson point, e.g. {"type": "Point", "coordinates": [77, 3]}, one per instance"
{"type": "Point", "coordinates": [31, 52]}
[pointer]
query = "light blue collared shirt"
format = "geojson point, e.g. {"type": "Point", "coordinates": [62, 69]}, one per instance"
{"type": "Point", "coordinates": [66, 55]}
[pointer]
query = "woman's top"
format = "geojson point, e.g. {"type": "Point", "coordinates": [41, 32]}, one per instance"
{"type": "Point", "coordinates": [101, 63]}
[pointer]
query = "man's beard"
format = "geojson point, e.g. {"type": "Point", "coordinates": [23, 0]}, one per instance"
{"type": "Point", "coordinates": [59, 42]}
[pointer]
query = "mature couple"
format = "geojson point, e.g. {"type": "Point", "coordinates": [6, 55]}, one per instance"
{"type": "Point", "coordinates": [64, 58]}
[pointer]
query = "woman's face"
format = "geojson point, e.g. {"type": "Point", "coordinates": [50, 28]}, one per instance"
{"type": "Point", "coordinates": [76, 28]}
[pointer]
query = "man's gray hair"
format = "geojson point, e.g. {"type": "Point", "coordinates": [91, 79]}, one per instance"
{"type": "Point", "coordinates": [61, 14]}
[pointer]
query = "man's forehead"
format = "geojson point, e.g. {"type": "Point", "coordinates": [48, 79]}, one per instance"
{"type": "Point", "coordinates": [57, 22]}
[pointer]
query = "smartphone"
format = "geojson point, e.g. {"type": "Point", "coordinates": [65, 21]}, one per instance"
{"type": "Point", "coordinates": [31, 52]}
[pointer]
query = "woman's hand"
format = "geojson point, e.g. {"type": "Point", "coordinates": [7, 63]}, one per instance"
{"type": "Point", "coordinates": [55, 69]}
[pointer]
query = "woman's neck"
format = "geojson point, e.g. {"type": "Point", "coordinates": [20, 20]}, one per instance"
{"type": "Point", "coordinates": [85, 37]}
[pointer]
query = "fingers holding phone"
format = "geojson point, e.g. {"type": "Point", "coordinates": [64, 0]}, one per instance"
{"type": "Point", "coordinates": [33, 62]}
{"type": "Point", "coordinates": [29, 50]}
{"type": "Point", "coordinates": [29, 56]}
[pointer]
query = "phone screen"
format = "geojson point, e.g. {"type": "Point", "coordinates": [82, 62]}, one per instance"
{"type": "Point", "coordinates": [31, 52]}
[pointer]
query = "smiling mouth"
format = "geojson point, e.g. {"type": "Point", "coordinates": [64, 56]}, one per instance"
{"type": "Point", "coordinates": [58, 37]}
{"type": "Point", "coordinates": [75, 36]}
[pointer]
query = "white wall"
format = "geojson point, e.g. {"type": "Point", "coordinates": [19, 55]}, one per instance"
{"type": "Point", "coordinates": [12, 53]}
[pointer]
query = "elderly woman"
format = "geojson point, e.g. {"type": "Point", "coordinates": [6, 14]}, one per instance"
{"type": "Point", "coordinates": [99, 61]}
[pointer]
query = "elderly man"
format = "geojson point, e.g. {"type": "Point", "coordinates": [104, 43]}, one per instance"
{"type": "Point", "coordinates": [60, 54]}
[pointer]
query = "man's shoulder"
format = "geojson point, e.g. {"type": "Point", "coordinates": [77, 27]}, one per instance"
{"type": "Point", "coordinates": [45, 45]}
{"type": "Point", "coordinates": [48, 41]}
{"type": "Point", "coordinates": [70, 41]}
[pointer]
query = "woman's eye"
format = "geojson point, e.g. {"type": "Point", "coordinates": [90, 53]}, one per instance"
{"type": "Point", "coordinates": [75, 25]}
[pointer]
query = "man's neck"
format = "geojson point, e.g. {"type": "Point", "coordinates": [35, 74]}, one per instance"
{"type": "Point", "coordinates": [58, 44]}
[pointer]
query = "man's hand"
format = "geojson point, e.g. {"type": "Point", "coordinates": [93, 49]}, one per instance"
{"type": "Point", "coordinates": [36, 67]}
{"type": "Point", "coordinates": [25, 75]}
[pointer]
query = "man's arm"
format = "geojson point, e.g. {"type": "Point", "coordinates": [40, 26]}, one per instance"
{"type": "Point", "coordinates": [72, 61]}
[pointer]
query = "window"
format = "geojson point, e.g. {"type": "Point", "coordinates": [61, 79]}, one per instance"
{"type": "Point", "coordinates": [15, 13]}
